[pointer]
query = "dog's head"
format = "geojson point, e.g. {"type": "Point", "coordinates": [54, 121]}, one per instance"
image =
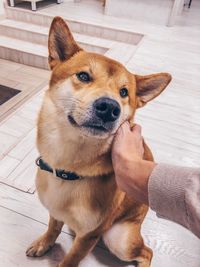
{"type": "Point", "coordinates": [95, 93]}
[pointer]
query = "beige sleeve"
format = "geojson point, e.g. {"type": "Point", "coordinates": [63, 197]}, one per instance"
{"type": "Point", "coordinates": [174, 194]}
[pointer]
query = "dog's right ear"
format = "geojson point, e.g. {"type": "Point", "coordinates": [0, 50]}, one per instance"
{"type": "Point", "coordinates": [61, 43]}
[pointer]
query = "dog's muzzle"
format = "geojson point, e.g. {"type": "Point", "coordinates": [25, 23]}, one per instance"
{"type": "Point", "coordinates": [104, 114]}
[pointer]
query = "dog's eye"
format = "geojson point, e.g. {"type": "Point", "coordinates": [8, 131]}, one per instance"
{"type": "Point", "coordinates": [123, 92]}
{"type": "Point", "coordinates": [83, 76]}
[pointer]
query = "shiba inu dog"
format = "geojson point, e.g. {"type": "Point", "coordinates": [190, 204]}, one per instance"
{"type": "Point", "coordinates": [89, 97]}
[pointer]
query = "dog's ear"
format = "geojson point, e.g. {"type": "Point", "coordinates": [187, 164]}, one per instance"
{"type": "Point", "coordinates": [150, 86]}
{"type": "Point", "coordinates": [61, 43]}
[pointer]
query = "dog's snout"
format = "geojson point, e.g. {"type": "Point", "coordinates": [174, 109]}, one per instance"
{"type": "Point", "coordinates": [107, 109]}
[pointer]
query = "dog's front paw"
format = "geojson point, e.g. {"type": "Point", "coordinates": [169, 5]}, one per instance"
{"type": "Point", "coordinates": [38, 248]}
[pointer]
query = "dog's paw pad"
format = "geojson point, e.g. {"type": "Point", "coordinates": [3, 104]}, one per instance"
{"type": "Point", "coordinates": [37, 249]}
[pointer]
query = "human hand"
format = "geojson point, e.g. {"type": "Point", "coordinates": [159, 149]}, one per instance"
{"type": "Point", "coordinates": [131, 171]}
{"type": "Point", "coordinates": [128, 143]}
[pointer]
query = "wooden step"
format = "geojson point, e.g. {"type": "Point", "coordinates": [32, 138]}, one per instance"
{"type": "Point", "coordinates": [24, 31]}
{"type": "Point", "coordinates": [23, 52]}
{"type": "Point", "coordinates": [39, 34]}
{"type": "Point", "coordinates": [78, 25]}
{"type": "Point", "coordinates": [33, 54]}
{"type": "Point", "coordinates": [26, 43]}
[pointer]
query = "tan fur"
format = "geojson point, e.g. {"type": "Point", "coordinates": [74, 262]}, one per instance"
{"type": "Point", "coordinates": [93, 206]}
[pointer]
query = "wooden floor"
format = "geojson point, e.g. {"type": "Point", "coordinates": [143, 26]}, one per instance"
{"type": "Point", "coordinates": [17, 131]}
{"type": "Point", "coordinates": [171, 125]}
{"type": "Point", "coordinates": [26, 79]}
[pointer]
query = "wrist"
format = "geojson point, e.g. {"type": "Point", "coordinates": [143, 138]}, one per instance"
{"type": "Point", "coordinates": [139, 171]}
{"type": "Point", "coordinates": [144, 171]}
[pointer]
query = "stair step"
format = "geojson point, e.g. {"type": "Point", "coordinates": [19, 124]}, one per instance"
{"type": "Point", "coordinates": [98, 29]}
{"type": "Point", "coordinates": [24, 26]}
{"type": "Point", "coordinates": [24, 31]}
{"type": "Point", "coordinates": [21, 45]}
{"type": "Point", "coordinates": [39, 34]}
{"type": "Point", "coordinates": [36, 54]}
{"type": "Point", "coordinates": [23, 52]}
{"type": "Point", "coordinates": [25, 42]}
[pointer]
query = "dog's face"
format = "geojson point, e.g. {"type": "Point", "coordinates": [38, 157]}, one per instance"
{"type": "Point", "coordinates": [94, 93]}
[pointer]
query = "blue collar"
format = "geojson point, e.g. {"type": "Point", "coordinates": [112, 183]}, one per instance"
{"type": "Point", "coordinates": [64, 175]}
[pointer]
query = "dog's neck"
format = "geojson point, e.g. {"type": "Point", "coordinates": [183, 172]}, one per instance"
{"type": "Point", "coordinates": [62, 147]}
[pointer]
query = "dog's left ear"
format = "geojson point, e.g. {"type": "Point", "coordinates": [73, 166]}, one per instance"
{"type": "Point", "coordinates": [61, 43]}
{"type": "Point", "coordinates": [150, 86]}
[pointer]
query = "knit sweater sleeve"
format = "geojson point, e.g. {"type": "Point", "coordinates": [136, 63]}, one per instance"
{"type": "Point", "coordinates": [174, 194]}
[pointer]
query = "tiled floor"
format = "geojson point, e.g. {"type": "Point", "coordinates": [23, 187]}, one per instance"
{"type": "Point", "coordinates": [171, 125]}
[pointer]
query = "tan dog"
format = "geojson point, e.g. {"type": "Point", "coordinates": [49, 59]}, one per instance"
{"type": "Point", "coordinates": [89, 97]}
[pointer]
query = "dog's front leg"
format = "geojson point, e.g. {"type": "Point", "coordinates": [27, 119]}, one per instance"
{"type": "Point", "coordinates": [40, 246]}
{"type": "Point", "coordinates": [80, 248]}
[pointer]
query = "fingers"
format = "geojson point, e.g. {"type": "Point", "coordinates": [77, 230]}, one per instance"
{"type": "Point", "coordinates": [137, 129]}
{"type": "Point", "coordinates": [128, 142]}
{"type": "Point", "coordinates": [125, 132]}
{"type": "Point", "coordinates": [125, 128]}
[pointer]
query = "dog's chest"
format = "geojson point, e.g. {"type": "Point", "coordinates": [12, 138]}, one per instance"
{"type": "Point", "coordinates": [71, 203]}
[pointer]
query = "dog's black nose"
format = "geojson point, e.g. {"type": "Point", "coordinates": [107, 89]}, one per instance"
{"type": "Point", "coordinates": [107, 109]}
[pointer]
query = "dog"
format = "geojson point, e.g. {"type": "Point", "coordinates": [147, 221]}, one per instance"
{"type": "Point", "coordinates": [89, 97]}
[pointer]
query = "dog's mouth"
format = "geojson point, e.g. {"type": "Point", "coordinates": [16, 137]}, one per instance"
{"type": "Point", "coordinates": [88, 125]}
{"type": "Point", "coordinates": [95, 127]}
{"type": "Point", "coordinates": [72, 120]}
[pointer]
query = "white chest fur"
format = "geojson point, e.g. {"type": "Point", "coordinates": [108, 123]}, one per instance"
{"type": "Point", "coordinates": [69, 202]}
